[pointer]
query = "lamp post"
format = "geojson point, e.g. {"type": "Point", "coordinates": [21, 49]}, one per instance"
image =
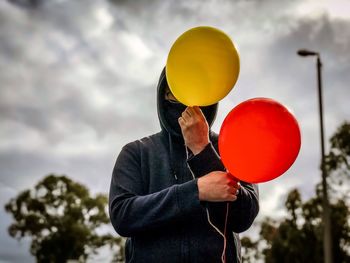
{"type": "Point", "coordinates": [327, 233]}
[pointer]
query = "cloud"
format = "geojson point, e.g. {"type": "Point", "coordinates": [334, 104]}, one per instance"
{"type": "Point", "coordinates": [79, 82]}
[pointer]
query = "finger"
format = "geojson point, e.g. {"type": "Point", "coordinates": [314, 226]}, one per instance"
{"type": "Point", "coordinates": [234, 190]}
{"type": "Point", "coordinates": [191, 111]}
{"type": "Point", "coordinates": [232, 176]}
{"type": "Point", "coordinates": [233, 181]}
{"type": "Point", "coordinates": [181, 122]}
{"type": "Point", "coordinates": [232, 198]}
{"type": "Point", "coordinates": [199, 112]}
{"type": "Point", "coordinates": [185, 116]}
{"type": "Point", "coordinates": [187, 113]}
{"type": "Point", "coordinates": [234, 184]}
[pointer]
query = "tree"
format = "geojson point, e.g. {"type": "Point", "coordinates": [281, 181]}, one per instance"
{"type": "Point", "coordinates": [337, 164]}
{"type": "Point", "coordinates": [298, 237]}
{"type": "Point", "coordinates": [61, 218]}
{"type": "Point", "coordinates": [250, 252]}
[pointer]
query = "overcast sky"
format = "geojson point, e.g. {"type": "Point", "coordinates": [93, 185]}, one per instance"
{"type": "Point", "coordinates": [78, 81]}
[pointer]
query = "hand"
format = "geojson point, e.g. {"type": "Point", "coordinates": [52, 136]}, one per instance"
{"type": "Point", "coordinates": [195, 129]}
{"type": "Point", "coordinates": [218, 186]}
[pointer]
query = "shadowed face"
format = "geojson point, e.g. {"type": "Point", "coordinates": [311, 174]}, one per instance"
{"type": "Point", "coordinates": [173, 110]}
{"type": "Point", "coordinates": [169, 96]}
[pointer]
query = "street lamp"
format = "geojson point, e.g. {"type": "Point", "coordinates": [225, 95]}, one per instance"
{"type": "Point", "coordinates": [327, 233]}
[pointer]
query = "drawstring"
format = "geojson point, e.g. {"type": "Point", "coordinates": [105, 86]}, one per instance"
{"type": "Point", "coordinates": [171, 156]}
{"type": "Point", "coordinates": [172, 164]}
{"type": "Point", "coordinates": [189, 168]}
{"type": "Point", "coordinates": [172, 170]}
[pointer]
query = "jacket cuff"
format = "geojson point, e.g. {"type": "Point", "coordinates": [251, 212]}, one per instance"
{"type": "Point", "coordinates": [205, 162]}
{"type": "Point", "coordinates": [244, 198]}
{"type": "Point", "coordinates": [188, 197]}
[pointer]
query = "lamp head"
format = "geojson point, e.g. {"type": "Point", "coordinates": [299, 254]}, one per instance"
{"type": "Point", "coordinates": [305, 52]}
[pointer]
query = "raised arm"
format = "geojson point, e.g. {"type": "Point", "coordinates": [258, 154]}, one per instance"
{"type": "Point", "coordinates": [244, 209]}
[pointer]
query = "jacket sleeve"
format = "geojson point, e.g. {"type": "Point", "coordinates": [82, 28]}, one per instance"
{"type": "Point", "coordinates": [132, 211]}
{"type": "Point", "coordinates": [243, 211]}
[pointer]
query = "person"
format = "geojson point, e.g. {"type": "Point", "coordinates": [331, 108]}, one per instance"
{"type": "Point", "coordinates": [171, 196]}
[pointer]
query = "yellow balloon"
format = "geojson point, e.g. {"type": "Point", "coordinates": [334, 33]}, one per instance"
{"type": "Point", "coordinates": [202, 66]}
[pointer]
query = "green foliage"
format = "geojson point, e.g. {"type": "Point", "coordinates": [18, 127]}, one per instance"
{"type": "Point", "coordinates": [339, 155]}
{"type": "Point", "coordinates": [249, 250]}
{"type": "Point", "coordinates": [61, 218]}
{"type": "Point", "coordinates": [299, 237]}
{"type": "Point", "coordinates": [119, 256]}
{"type": "Point", "coordinates": [337, 164]}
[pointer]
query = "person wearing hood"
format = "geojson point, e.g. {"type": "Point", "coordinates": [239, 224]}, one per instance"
{"type": "Point", "coordinates": [171, 196]}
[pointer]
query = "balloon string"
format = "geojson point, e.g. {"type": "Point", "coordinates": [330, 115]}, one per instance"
{"type": "Point", "coordinates": [225, 241]}
{"type": "Point", "coordinates": [189, 168]}
{"type": "Point", "coordinates": [223, 255]}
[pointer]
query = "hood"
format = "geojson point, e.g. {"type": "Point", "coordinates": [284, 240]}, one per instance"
{"type": "Point", "coordinates": [208, 111]}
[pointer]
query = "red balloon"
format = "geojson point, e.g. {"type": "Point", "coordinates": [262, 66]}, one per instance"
{"type": "Point", "coordinates": [259, 140]}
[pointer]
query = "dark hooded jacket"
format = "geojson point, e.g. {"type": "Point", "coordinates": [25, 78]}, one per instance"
{"type": "Point", "coordinates": [154, 200]}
